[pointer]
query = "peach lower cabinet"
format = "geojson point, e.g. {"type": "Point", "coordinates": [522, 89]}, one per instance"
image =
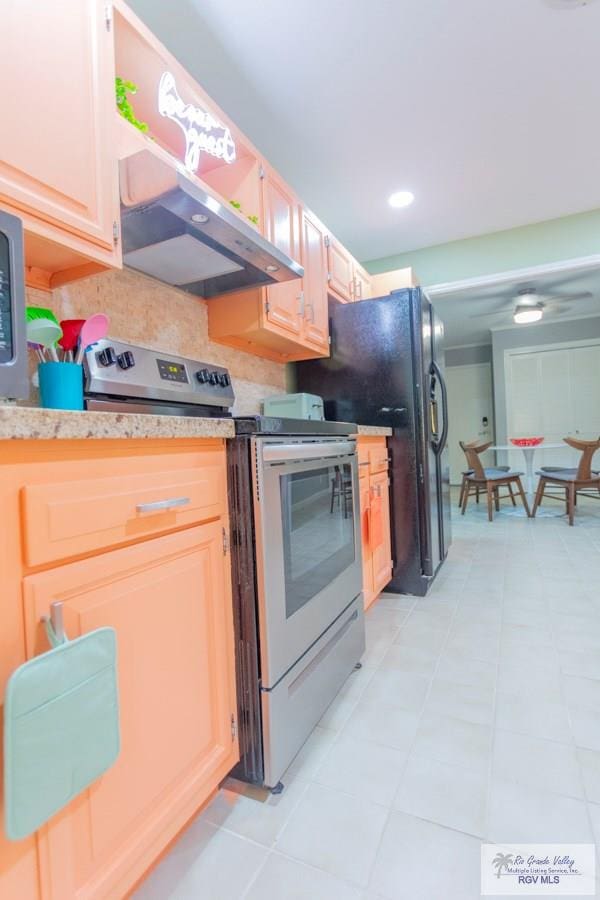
{"type": "Point", "coordinates": [83, 524]}
{"type": "Point", "coordinates": [373, 473]}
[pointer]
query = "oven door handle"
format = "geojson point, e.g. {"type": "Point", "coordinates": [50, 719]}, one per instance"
{"type": "Point", "coordinates": [293, 452]}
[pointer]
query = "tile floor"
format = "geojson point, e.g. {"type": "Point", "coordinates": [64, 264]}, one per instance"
{"type": "Point", "coordinates": [476, 715]}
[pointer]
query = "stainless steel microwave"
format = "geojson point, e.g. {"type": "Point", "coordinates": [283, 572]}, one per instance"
{"type": "Point", "coordinates": [14, 381]}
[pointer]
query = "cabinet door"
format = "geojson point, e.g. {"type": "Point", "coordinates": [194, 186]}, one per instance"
{"type": "Point", "coordinates": [362, 284]}
{"type": "Point", "coordinates": [169, 600]}
{"type": "Point", "coordinates": [340, 274]}
{"type": "Point", "coordinates": [280, 212]}
{"type": "Point", "coordinates": [382, 552]}
{"type": "Point", "coordinates": [314, 260]}
{"type": "Point", "coordinates": [57, 110]}
{"type": "Point", "coordinates": [367, 555]}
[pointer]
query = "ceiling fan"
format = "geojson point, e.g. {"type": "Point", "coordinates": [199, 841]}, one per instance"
{"type": "Point", "coordinates": [528, 306]}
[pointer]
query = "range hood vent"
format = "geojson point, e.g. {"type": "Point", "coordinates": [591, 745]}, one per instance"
{"type": "Point", "coordinates": [175, 230]}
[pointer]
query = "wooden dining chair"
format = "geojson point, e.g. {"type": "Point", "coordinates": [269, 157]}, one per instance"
{"type": "Point", "coordinates": [341, 488]}
{"type": "Point", "coordinates": [490, 480]}
{"type": "Point", "coordinates": [545, 469]}
{"type": "Point", "coordinates": [572, 480]}
{"type": "Point", "coordinates": [467, 472]}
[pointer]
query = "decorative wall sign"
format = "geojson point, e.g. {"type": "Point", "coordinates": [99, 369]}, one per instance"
{"type": "Point", "coordinates": [203, 133]}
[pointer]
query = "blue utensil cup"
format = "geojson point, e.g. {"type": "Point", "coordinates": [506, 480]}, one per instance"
{"type": "Point", "coordinates": [61, 385]}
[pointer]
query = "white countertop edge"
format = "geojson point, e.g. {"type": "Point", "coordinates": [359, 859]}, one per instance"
{"type": "Point", "coordinates": [374, 431]}
{"type": "Point", "coordinates": [34, 423]}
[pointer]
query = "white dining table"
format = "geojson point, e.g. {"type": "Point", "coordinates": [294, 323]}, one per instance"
{"type": "Point", "coordinates": [529, 454]}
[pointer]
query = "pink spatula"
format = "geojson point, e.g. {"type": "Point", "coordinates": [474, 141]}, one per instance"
{"type": "Point", "coordinates": [93, 329]}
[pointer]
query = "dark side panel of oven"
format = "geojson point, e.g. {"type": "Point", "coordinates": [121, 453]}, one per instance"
{"type": "Point", "coordinates": [243, 570]}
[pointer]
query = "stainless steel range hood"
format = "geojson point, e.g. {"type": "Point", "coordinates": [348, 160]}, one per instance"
{"type": "Point", "coordinates": [174, 229]}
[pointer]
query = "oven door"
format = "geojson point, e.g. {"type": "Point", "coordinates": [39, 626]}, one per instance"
{"type": "Point", "coordinates": [307, 544]}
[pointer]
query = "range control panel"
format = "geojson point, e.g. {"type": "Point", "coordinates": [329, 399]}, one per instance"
{"type": "Point", "coordinates": [128, 371]}
{"type": "Point", "coordinates": [172, 371]}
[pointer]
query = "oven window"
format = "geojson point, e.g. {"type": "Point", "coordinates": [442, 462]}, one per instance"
{"type": "Point", "coordinates": [317, 509]}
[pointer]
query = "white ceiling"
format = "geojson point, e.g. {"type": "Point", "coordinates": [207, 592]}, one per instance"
{"type": "Point", "coordinates": [488, 110]}
{"type": "Point", "coordinates": [462, 311]}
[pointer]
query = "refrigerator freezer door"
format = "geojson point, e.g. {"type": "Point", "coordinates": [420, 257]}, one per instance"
{"type": "Point", "coordinates": [430, 512]}
{"type": "Point", "coordinates": [443, 454]}
{"type": "Point", "coordinates": [377, 374]}
{"type": "Point", "coordinates": [370, 376]}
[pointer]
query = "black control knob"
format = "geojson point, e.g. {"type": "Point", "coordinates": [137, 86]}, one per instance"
{"type": "Point", "coordinates": [107, 357]}
{"type": "Point", "coordinates": [224, 379]}
{"type": "Point", "coordinates": [213, 377]}
{"type": "Point", "coordinates": [126, 359]}
{"type": "Point", "coordinates": [202, 375]}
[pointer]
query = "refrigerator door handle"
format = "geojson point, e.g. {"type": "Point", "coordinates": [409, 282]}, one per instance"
{"type": "Point", "coordinates": [436, 372]}
{"type": "Point", "coordinates": [433, 415]}
{"type": "Point", "coordinates": [393, 409]}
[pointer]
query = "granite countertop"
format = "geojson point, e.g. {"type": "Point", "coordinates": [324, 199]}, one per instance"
{"type": "Point", "coordinates": [374, 431]}
{"type": "Point", "coordinates": [33, 423]}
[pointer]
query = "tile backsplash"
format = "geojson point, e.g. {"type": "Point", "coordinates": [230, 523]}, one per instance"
{"type": "Point", "coordinates": [147, 312]}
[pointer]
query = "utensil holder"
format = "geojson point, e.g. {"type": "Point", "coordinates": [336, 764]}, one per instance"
{"type": "Point", "coordinates": [61, 385]}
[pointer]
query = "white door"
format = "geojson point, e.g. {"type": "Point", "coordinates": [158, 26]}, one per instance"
{"type": "Point", "coordinates": [470, 413]}
{"type": "Point", "coordinates": [554, 393]}
{"type": "Point", "coordinates": [585, 395]}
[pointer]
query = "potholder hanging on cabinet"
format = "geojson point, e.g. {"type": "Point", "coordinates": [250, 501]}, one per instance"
{"type": "Point", "coordinates": [61, 728]}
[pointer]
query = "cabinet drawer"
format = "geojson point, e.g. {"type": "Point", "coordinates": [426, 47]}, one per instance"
{"type": "Point", "coordinates": [67, 518]}
{"type": "Point", "coordinates": [363, 461]}
{"type": "Point", "coordinates": [378, 458]}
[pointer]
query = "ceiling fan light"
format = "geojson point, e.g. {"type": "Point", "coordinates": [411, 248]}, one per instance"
{"type": "Point", "coordinates": [525, 315]}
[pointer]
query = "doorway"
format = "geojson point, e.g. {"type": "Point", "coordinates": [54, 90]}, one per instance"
{"type": "Point", "coordinates": [554, 391]}
{"type": "Point", "coordinates": [470, 413]}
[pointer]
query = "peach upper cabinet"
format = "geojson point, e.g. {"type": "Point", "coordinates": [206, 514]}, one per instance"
{"type": "Point", "coordinates": [286, 321]}
{"type": "Point", "coordinates": [314, 259]}
{"type": "Point", "coordinates": [281, 226]}
{"type": "Point", "coordinates": [386, 282]}
{"type": "Point", "coordinates": [347, 280]}
{"type": "Point", "coordinates": [362, 283]}
{"type": "Point", "coordinates": [57, 169]}
{"type": "Point", "coordinates": [339, 275]}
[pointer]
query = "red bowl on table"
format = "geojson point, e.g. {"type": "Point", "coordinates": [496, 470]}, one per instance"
{"type": "Point", "coordinates": [526, 442]}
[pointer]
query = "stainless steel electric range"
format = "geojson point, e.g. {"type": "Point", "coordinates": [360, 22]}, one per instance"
{"type": "Point", "coordinates": [297, 582]}
{"type": "Point", "coordinates": [295, 549]}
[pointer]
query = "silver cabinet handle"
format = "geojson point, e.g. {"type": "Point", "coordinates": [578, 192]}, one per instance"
{"type": "Point", "coordinates": [312, 312]}
{"type": "Point", "coordinates": [300, 299]}
{"type": "Point", "coordinates": [158, 505]}
{"type": "Point", "coordinates": [297, 452]}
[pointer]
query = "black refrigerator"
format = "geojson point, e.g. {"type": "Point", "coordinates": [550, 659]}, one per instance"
{"type": "Point", "coordinates": [386, 368]}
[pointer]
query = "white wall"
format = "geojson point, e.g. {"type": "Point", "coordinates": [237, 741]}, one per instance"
{"type": "Point", "coordinates": [470, 412]}
{"type": "Point", "coordinates": [468, 356]}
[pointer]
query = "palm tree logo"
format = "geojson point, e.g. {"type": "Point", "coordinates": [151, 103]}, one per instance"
{"type": "Point", "coordinates": [502, 861]}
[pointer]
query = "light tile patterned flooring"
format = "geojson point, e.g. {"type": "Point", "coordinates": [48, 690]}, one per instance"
{"type": "Point", "coordinates": [476, 715]}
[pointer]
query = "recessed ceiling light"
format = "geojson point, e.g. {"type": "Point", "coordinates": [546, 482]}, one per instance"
{"type": "Point", "coordinates": [401, 198]}
{"type": "Point", "coordinates": [524, 315]}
